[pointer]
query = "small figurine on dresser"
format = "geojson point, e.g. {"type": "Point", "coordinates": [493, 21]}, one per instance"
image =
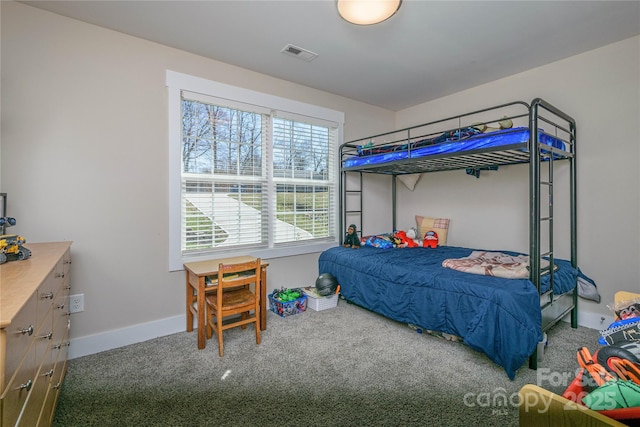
{"type": "Point", "coordinates": [351, 239]}
{"type": "Point", "coordinates": [11, 248]}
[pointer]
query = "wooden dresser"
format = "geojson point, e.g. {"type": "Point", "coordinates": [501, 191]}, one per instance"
{"type": "Point", "coordinates": [34, 334]}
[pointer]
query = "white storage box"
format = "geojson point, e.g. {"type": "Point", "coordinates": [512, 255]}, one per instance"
{"type": "Point", "coordinates": [317, 302]}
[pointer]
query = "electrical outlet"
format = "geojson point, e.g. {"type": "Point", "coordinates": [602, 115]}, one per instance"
{"type": "Point", "coordinates": [76, 303]}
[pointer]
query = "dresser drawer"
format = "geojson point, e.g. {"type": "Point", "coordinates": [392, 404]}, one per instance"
{"type": "Point", "coordinates": [66, 268]}
{"type": "Point", "coordinates": [61, 314]}
{"type": "Point", "coordinates": [19, 389]}
{"type": "Point", "coordinates": [54, 374]}
{"type": "Point", "coordinates": [43, 339]}
{"type": "Point", "coordinates": [19, 336]}
{"type": "Point", "coordinates": [46, 294]}
{"type": "Point", "coordinates": [36, 398]}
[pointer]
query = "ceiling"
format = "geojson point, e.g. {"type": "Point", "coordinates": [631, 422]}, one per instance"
{"type": "Point", "coordinates": [427, 50]}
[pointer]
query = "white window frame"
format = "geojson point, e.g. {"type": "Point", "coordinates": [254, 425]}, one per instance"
{"type": "Point", "coordinates": [177, 82]}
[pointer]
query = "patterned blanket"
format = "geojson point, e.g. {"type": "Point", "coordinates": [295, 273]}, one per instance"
{"type": "Point", "coordinates": [496, 264]}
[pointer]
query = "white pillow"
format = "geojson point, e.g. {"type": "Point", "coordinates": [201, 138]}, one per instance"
{"type": "Point", "coordinates": [410, 180]}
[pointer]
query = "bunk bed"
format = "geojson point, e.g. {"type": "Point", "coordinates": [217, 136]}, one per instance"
{"type": "Point", "coordinates": [505, 318]}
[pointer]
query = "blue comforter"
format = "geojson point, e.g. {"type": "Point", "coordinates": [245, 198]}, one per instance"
{"type": "Point", "coordinates": [499, 317]}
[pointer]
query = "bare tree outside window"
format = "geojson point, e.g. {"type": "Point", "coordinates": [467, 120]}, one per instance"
{"type": "Point", "coordinates": [226, 187]}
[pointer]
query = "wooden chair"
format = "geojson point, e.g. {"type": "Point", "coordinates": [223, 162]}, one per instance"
{"type": "Point", "coordinates": [233, 296]}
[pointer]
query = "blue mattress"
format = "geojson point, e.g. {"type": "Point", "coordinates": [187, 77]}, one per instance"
{"type": "Point", "coordinates": [424, 148]}
{"type": "Point", "coordinates": [499, 317]}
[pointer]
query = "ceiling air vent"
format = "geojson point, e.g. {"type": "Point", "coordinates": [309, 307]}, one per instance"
{"type": "Point", "coordinates": [299, 52]}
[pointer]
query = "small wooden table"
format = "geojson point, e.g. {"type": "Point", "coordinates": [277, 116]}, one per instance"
{"type": "Point", "coordinates": [196, 272]}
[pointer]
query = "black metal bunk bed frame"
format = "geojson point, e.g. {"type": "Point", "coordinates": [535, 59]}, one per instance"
{"type": "Point", "coordinates": [538, 114]}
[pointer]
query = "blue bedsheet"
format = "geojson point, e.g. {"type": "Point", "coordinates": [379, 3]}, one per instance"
{"type": "Point", "coordinates": [482, 141]}
{"type": "Point", "coordinates": [499, 317]}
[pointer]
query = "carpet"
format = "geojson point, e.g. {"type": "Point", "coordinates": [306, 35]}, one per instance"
{"type": "Point", "coordinates": [345, 366]}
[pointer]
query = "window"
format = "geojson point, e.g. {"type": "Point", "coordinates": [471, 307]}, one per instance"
{"type": "Point", "coordinates": [249, 173]}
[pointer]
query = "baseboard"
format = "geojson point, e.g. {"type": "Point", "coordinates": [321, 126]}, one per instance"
{"type": "Point", "coordinates": [592, 320]}
{"type": "Point", "coordinates": [84, 346]}
{"type": "Point", "coordinates": [91, 344]}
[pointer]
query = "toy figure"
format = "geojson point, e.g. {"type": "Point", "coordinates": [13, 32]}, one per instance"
{"type": "Point", "coordinates": [11, 248]}
{"type": "Point", "coordinates": [430, 239]}
{"type": "Point", "coordinates": [351, 239]}
{"type": "Point", "coordinates": [403, 240]}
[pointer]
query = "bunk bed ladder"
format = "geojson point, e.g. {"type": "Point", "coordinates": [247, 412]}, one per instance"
{"type": "Point", "coordinates": [549, 220]}
{"type": "Point", "coordinates": [538, 156]}
{"type": "Point", "coordinates": [350, 215]}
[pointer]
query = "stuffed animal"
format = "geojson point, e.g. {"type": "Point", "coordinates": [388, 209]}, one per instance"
{"type": "Point", "coordinates": [403, 241]}
{"type": "Point", "coordinates": [412, 233]}
{"type": "Point", "coordinates": [430, 239]}
{"type": "Point", "coordinates": [351, 239]}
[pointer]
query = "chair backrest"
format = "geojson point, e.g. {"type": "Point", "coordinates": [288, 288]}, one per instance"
{"type": "Point", "coordinates": [239, 274]}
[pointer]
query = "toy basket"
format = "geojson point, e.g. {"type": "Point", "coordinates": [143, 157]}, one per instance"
{"type": "Point", "coordinates": [318, 302]}
{"type": "Point", "coordinates": [288, 308]}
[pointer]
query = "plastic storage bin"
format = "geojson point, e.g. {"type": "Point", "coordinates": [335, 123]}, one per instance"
{"type": "Point", "coordinates": [317, 302]}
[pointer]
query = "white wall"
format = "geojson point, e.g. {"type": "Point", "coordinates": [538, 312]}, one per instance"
{"type": "Point", "coordinates": [84, 143]}
{"type": "Point", "coordinates": [601, 90]}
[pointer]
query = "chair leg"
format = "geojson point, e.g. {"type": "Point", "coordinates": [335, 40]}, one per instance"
{"type": "Point", "coordinates": [220, 344]}
{"type": "Point", "coordinates": [257, 324]}
{"type": "Point", "coordinates": [208, 328]}
{"type": "Point", "coordinates": [244, 315]}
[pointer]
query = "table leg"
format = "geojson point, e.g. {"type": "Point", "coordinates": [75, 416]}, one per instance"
{"type": "Point", "coordinates": [263, 298]}
{"type": "Point", "coordinates": [200, 300]}
{"type": "Point", "coordinates": [189, 304]}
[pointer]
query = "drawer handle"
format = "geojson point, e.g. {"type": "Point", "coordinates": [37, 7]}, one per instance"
{"type": "Point", "coordinates": [47, 296]}
{"type": "Point", "coordinates": [67, 261]}
{"type": "Point", "coordinates": [60, 275]}
{"type": "Point", "coordinates": [47, 336]}
{"type": "Point", "coordinates": [57, 386]}
{"type": "Point", "coordinates": [27, 331]}
{"type": "Point", "coordinates": [60, 307]}
{"type": "Point", "coordinates": [48, 374]}
{"type": "Point", "coordinates": [26, 386]}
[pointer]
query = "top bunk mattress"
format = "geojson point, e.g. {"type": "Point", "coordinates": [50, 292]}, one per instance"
{"type": "Point", "coordinates": [451, 143]}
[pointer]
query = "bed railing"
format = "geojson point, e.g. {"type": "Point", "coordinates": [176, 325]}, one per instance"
{"type": "Point", "coordinates": [539, 115]}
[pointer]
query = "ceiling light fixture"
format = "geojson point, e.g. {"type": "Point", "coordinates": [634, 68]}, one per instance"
{"type": "Point", "coordinates": [367, 12]}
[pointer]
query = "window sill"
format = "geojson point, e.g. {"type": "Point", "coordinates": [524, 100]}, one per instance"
{"type": "Point", "coordinates": [259, 253]}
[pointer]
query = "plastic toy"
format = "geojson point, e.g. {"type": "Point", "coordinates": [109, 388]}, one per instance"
{"type": "Point", "coordinates": [7, 221]}
{"type": "Point", "coordinates": [351, 239]}
{"type": "Point", "coordinates": [286, 295]}
{"type": "Point", "coordinates": [11, 248]}
{"type": "Point", "coordinates": [430, 239]}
